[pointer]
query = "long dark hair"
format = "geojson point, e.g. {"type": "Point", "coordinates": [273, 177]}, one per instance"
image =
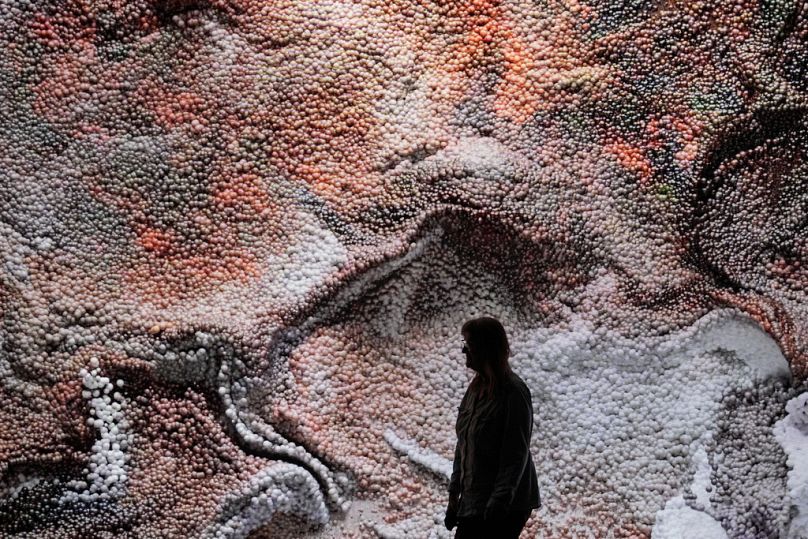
{"type": "Point", "coordinates": [487, 338]}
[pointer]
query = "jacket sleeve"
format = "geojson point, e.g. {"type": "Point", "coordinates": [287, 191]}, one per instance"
{"type": "Point", "coordinates": [454, 482]}
{"type": "Point", "coordinates": [514, 451]}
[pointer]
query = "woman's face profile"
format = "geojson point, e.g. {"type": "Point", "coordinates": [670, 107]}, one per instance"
{"type": "Point", "coordinates": [470, 358]}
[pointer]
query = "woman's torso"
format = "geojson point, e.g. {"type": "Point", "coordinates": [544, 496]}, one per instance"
{"type": "Point", "coordinates": [480, 428]}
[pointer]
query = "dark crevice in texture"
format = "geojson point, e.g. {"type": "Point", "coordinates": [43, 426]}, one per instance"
{"type": "Point", "coordinates": [790, 24]}
{"type": "Point", "coordinates": [764, 125]}
{"type": "Point", "coordinates": [37, 508]}
{"type": "Point", "coordinates": [165, 10]}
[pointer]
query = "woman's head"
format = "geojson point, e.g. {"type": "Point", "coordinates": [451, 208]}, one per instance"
{"type": "Point", "coordinates": [487, 351]}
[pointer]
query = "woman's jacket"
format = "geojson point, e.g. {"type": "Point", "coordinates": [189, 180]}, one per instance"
{"type": "Point", "coordinates": [493, 464]}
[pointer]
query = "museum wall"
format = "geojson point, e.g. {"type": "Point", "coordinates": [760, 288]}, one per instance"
{"type": "Point", "coordinates": [239, 239]}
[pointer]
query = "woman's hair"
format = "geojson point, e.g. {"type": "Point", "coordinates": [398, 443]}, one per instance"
{"type": "Point", "coordinates": [488, 341]}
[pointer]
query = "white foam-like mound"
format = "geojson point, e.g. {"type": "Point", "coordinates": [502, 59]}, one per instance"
{"type": "Point", "coordinates": [107, 472]}
{"type": "Point", "coordinates": [282, 487]}
{"type": "Point", "coordinates": [728, 330]}
{"type": "Point", "coordinates": [792, 433]}
{"type": "Point", "coordinates": [679, 521]}
{"type": "Point", "coordinates": [420, 455]}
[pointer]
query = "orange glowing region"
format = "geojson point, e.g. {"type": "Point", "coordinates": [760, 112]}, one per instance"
{"type": "Point", "coordinates": [631, 158]}
{"type": "Point", "coordinates": [154, 240]}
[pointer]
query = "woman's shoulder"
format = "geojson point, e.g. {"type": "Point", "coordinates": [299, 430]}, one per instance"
{"type": "Point", "coordinates": [516, 381]}
{"type": "Point", "coordinates": [515, 384]}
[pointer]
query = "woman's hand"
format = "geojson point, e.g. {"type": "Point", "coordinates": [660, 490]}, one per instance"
{"type": "Point", "coordinates": [450, 520]}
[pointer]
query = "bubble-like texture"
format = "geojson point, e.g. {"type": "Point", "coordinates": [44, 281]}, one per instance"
{"type": "Point", "coordinates": [239, 238]}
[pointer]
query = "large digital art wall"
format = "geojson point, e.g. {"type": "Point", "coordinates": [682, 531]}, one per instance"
{"type": "Point", "coordinates": [238, 239]}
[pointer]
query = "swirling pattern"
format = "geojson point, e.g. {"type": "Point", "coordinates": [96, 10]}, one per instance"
{"type": "Point", "coordinates": [239, 238]}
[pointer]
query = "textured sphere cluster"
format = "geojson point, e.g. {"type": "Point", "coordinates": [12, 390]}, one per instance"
{"type": "Point", "coordinates": [239, 239]}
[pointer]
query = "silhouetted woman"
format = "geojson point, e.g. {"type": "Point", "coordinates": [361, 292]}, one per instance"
{"type": "Point", "coordinates": [494, 486]}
